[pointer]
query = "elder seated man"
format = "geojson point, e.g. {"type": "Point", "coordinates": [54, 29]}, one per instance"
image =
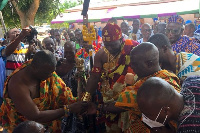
{"type": "Point", "coordinates": [35, 92]}
{"type": "Point", "coordinates": [163, 104]}
{"type": "Point", "coordinates": [183, 64]}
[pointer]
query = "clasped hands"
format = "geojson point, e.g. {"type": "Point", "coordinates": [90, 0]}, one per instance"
{"type": "Point", "coordinates": [83, 108]}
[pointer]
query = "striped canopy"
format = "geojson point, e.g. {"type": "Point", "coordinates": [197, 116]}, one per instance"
{"type": "Point", "coordinates": [128, 12]}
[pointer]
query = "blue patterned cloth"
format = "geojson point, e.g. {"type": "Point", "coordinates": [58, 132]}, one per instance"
{"type": "Point", "coordinates": [186, 44]}
{"type": "Point", "coordinates": [175, 19]}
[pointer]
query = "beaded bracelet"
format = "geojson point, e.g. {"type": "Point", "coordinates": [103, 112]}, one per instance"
{"type": "Point", "coordinates": [86, 97]}
{"type": "Point", "coordinates": [66, 109]}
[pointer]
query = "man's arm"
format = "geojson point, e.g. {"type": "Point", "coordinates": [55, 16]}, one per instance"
{"type": "Point", "coordinates": [13, 45]}
{"type": "Point", "coordinates": [92, 83]}
{"type": "Point", "coordinates": [24, 104]}
{"type": "Point", "coordinates": [110, 107]}
{"type": "Point", "coordinates": [20, 95]}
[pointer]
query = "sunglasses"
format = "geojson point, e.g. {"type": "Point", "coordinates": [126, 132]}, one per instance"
{"type": "Point", "coordinates": [172, 31]}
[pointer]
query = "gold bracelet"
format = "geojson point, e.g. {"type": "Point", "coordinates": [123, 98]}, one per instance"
{"type": "Point", "coordinates": [66, 109]}
{"type": "Point", "coordinates": [86, 97]}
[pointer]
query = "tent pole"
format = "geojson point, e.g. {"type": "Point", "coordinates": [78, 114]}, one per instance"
{"type": "Point", "coordinates": [2, 22]}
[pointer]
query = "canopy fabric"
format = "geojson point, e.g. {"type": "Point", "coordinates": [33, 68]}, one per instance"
{"type": "Point", "coordinates": [93, 16]}
{"type": "Point", "coordinates": [158, 10]}
{"type": "Point", "coordinates": [3, 4]}
{"type": "Point", "coordinates": [141, 11]}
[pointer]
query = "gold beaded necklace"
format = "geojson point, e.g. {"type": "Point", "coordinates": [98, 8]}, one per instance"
{"type": "Point", "coordinates": [109, 65]}
{"type": "Point", "coordinates": [111, 61]}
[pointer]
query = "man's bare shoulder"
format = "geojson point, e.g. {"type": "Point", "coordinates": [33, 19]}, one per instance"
{"type": "Point", "coordinates": [100, 58]}
{"type": "Point", "coordinates": [18, 80]}
{"type": "Point", "coordinates": [100, 52]}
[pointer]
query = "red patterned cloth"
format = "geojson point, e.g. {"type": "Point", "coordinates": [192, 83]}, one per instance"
{"type": "Point", "coordinates": [111, 32]}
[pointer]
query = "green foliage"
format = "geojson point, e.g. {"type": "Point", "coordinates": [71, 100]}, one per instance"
{"type": "Point", "coordinates": [11, 18]}
{"type": "Point", "coordinates": [24, 5]}
{"type": "Point", "coordinates": [67, 4]}
{"type": "Point", "coordinates": [59, 26]}
{"type": "Point", "coordinates": [48, 10]}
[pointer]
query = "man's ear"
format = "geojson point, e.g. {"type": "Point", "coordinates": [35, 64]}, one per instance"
{"type": "Point", "coordinates": [150, 63]}
{"type": "Point", "coordinates": [181, 33]}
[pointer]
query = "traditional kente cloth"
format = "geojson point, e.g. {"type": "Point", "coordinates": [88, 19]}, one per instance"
{"type": "Point", "coordinates": [186, 44]}
{"type": "Point", "coordinates": [97, 44]}
{"type": "Point", "coordinates": [188, 121]}
{"type": "Point", "coordinates": [115, 78]}
{"type": "Point", "coordinates": [83, 54]}
{"type": "Point", "coordinates": [53, 95]}
{"type": "Point", "coordinates": [189, 64]}
{"type": "Point", "coordinates": [127, 100]}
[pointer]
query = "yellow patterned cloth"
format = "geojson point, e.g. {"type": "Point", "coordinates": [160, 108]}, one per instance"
{"type": "Point", "coordinates": [53, 95]}
{"type": "Point", "coordinates": [127, 100]}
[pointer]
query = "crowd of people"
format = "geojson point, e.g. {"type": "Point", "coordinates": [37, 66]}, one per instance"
{"type": "Point", "coordinates": [127, 81]}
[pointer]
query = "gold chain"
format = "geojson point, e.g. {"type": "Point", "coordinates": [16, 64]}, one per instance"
{"type": "Point", "coordinates": [112, 60]}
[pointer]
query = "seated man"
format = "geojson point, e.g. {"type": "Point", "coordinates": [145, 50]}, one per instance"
{"type": "Point", "coordinates": [35, 92]}
{"type": "Point", "coordinates": [179, 43]}
{"type": "Point", "coordinates": [145, 63]}
{"type": "Point", "coordinates": [163, 104]}
{"type": "Point", "coordinates": [183, 64]}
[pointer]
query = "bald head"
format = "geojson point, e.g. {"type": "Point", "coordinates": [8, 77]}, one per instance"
{"type": "Point", "coordinates": [136, 25]}
{"type": "Point", "coordinates": [154, 93]}
{"type": "Point", "coordinates": [160, 40]}
{"type": "Point", "coordinates": [145, 25]}
{"type": "Point", "coordinates": [144, 51]}
{"type": "Point", "coordinates": [146, 31]}
{"type": "Point", "coordinates": [112, 20]}
{"type": "Point", "coordinates": [145, 59]}
{"type": "Point", "coordinates": [45, 40]}
{"type": "Point", "coordinates": [29, 127]}
{"type": "Point", "coordinates": [69, 44]}
{"type": "Point", "coordinates": [69, 51]}
{"type": "Point", "coordinates": [44, 57]}
{"type": "Point", "coordinates": [161, 27]}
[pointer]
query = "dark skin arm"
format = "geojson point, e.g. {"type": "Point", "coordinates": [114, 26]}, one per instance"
{"type": "Point", "coordinates": [92, 83]}
{"type": "Point", "coordinates": [13, 45]}
{"type": "Point", "coordinates": [20, 94]}
{"type": "Point", "coordinates": [110, 107]}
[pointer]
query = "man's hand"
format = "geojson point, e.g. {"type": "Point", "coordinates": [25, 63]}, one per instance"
{"type": "Point", "coordinates": [92, 108]}
{"type": "Point", "coordinates": [82, 107]}
{"type": "Point", "coordinates": [78, 107]}
{"type": "Point", "coordinates": [129, 79]}
{"type": "Point", "coordinates": [25, 32]}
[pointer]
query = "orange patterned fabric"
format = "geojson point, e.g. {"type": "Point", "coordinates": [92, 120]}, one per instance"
{"type": "Point", "coordinates": [53, 95]}
{"type": "Point", "coordinates": [127, 100]}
